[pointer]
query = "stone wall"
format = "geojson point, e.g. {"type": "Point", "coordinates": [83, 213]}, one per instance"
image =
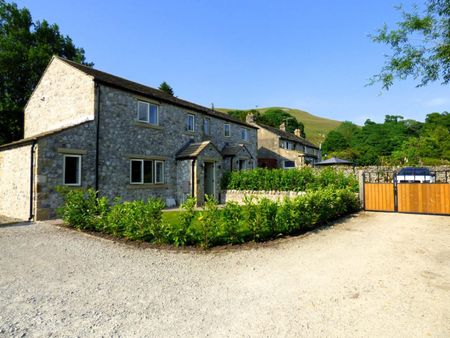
{"type": "Point", "coordinates": [385, 173]}
{"type": "Point", "coordinates": [122, 137]}
{"type": "Point", "coordinates": [240, 195]}
{"type": "Point", "coordinates": [64, 96]}
{"type": "Point", "coordinates": [78, 140]}
{"type": "Point", "coordinates": [15, 182]}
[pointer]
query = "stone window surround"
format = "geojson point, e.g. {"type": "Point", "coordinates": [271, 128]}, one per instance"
{"type": "Point", "coordinates": [244, 134]}
{"type": "Point", "coordinates": [78, 180]}
{"type": "Point", "coordinates": [149, 103]}
{"type": "Point", "coordinates": [225, 133]}
{"type": "Point", "coordinates": [188, 124]}
{"type": "Point", "coordinates": [154, 161]}
{"type": "Point", "coordinates": [207, 126]}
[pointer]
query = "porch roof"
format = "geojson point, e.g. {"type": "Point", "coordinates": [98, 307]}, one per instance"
{"type": "Point", "coordinates": [193, 150]}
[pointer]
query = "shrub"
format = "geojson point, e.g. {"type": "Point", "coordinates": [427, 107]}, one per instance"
{"type": "Point", "coordinates": [179, 233]}
{"type": "Point", "coordinates": [234, 229]}
{"type": "Point", "coordinates": [137, 220]}
{"type": "Point", "coordinates": [289, 180]}
{"type": "Point", "coordinates": [82, 209]}
{"type": "Point", "coordinates": [256, 220]}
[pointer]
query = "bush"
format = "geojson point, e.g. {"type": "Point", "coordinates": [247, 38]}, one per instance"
{"type": "Point", "coordinates": [82, 209]}
{"type": "Point", "coordinates": [289, 180]}
{"type": "Point", "coordinates": [256, 220]}
{"type": "Point", "coordinates": [137, 220]}
{"type": "Point", "coordinates": [179, 233]}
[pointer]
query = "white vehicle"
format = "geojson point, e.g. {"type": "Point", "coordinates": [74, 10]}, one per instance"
{"type": "Point", "coordinates": [415, 175]}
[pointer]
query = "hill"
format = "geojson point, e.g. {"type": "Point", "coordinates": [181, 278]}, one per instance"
{"type": "Point", "coordinates": [316, 128]}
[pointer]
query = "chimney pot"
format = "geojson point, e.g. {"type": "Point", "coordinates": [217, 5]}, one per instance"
{"type": "Point", "coordinates": [297, 132]}
{"type": "Point", "coordinates": [283, 126]}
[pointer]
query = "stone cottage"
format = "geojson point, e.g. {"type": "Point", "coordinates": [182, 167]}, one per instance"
{"type": "Point", "coordinates": [86, 128]}
{"type": "Point", "coordinates": [278, 148]}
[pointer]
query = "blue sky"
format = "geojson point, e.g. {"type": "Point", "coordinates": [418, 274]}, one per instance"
{"type": "Point", "coordinates": [311, 55]}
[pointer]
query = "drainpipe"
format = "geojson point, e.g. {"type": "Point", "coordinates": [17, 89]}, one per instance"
{"type": "Point", "coordinates": [193, 177]}
{"type": "Point", "coordinates": [33, 146]}
{"type": "Point", "coordinates": [97, 137]}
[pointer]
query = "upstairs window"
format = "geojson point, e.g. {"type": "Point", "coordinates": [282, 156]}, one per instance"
{"type": "Point", "coordinates": [286, 145]}
{"type": "Point", "coordinates": [190, 122]}
{"type": "Point", "coordinates": [72, 170]}
{"type": "Point", "coordinates": [146, 171]}
{"type": "Point", "coordinates": [207, 126]}
{"type": "Point", "coordinates": [226, 130]}
{"type": "Point", "coordinates": [148, 112]}
{"type": "Point", "coordinates": [244, 134]}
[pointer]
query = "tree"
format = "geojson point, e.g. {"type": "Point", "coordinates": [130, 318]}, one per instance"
{"type": "Point", "coordinates": [334, 141]}
{"type": "Point", "coordinates": [420, 45]}
{"type": "Point", "coordinates": [275, 117]}
{"type": "Point", "coordinates": [164, 86]}
{"type": "Point", "coordinates": [26, 47]}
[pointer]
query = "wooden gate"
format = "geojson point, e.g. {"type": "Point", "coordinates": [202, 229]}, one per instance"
{"type": "Point", "coordinates": [383, 193]}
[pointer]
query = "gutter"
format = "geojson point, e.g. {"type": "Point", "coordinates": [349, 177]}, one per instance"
{"type": "Point", "coordinates": [97, 138]}
{"type": "Point", "coordinates": [33, 147]}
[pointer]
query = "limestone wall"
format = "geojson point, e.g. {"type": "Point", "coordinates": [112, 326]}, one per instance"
{"type": "Point", "coordinates": [239, 195]}
{"type": "Point", "coordinates": [79, 140]}
{"type": "Point", "coordinates": [63, 97]}
{"type": "Point", "coordinates": [123, 137]}
{"type": "Point", "coordinates": [15, 182]}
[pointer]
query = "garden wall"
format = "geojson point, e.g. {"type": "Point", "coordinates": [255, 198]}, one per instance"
{"type": "Point", "coordinates": [239, 195]}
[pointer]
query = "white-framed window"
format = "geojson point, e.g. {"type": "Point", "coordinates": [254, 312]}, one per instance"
{"type": "Point", "coordinates": [244, 134]}
{"type": "Point", "coordinates": [226, 130]}
{"type": "Point", "coordinates": [190, 122]}
{"type": "Point", "coordinates": [72, 170]}
{"type": "Point", "coordinates": [146, 171]}
{"type": "Point", "coordinates": [159, 172]}
{"type": "Point", "coordinates": [207, 126]}
{"type": "Point", "coordinates": [148, 112]}
{"type": "Point", "coordinates": [288, 164]}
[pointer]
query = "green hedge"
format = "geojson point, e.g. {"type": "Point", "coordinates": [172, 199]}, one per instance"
{"type": "Point", "coordinates": [256, 220]}
{"type": "Point", "coordinates": [289, 180]}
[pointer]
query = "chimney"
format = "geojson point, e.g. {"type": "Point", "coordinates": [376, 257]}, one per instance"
{"type": "Point", "coordinates": [283, 126]}
{"type": "Point", "coordinates": [297, 132]}
{"type": "Point", "coordinates": [250, 118]}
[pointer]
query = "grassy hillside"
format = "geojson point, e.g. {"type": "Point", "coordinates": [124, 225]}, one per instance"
{"type": "Point", "coordinates": [316, 128]}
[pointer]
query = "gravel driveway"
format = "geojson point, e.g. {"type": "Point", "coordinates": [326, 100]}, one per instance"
{"type": "Point", "coordinates": [374, 274]}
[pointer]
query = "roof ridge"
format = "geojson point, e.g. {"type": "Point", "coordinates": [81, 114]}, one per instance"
{"type": "Point", "coordinates": [133, 86]}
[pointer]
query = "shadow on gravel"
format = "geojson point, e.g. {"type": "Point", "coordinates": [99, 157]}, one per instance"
{"type": "Point", "coordinates": [15, 224]}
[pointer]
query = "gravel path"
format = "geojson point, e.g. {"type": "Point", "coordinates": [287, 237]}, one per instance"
{"type": "Point", "coordinates": [374, 274]}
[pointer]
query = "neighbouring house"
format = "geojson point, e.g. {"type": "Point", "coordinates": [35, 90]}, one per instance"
{"type": "Point", "coordinates": [86, 128]}
{"type": "Point", "coordinates": [278, 148]}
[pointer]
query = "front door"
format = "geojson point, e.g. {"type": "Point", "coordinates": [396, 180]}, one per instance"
{"type": "Point", "coordinates": [209, 179]}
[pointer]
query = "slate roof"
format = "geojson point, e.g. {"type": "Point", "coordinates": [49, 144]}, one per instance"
{"type": "Point", "coordinates": [28, 140]}
{"type": "Point", "coordinates": [333, 160]}
{"type": "Point", "coordinates": [150, 92]}
{"type": "Point", "coordinates": [288, 136]}
{"type": "Point", "coordinates": [192, 150]}
{"type": "Point", "coordinates": [233, 149]}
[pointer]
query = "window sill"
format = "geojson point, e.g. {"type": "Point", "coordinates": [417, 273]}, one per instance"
{"type": "Point", "coordinates": [148, 186]}
{"type": "Point", "coordinates": [147, 125]}
{"type": "Point", "coordinates": [187, 132]}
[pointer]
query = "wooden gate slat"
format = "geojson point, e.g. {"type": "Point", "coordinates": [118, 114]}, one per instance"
{"type": "Point", "coordinates": [379, 196]}
{"type": "Point", "coordinates": [431, 198]}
